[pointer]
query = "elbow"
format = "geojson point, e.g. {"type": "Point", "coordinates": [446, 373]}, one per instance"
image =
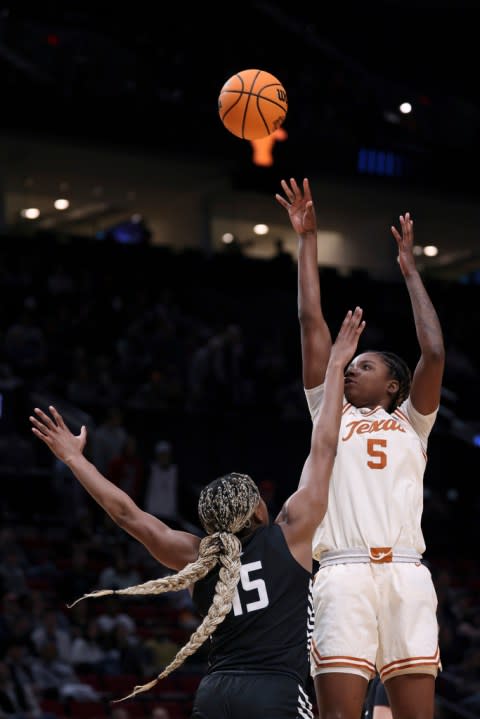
{"type": "Point", "coordinates": [435, 354]}
{"type": "Point", "coordinates": [303, 314]}
{"type": "Point", "coordinates": [440, 353]}
{"type": "Point", "coordinates": [328, 447]}
{"type": "Point", "coordinates": [121, 513]}
{"type": "Point", "coordinates": [309, 318]}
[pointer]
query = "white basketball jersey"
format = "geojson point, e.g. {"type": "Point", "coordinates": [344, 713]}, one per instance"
{"type": "Point", "coordinates": [376, 488]}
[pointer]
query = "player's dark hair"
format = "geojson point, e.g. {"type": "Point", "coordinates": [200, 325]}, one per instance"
{"type": "Point", "coordinates": [400, 371]}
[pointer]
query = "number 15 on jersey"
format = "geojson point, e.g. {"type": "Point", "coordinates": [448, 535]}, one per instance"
{"type": "Point", "coordinates": [249, 584]}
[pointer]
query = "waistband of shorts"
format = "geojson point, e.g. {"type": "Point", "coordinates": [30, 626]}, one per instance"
{"type": "Point", "coordinates": [372, 555]}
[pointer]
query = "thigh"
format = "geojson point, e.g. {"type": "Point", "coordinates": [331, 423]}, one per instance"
{"type": "Point", "coordinates": [340, 695]}
{"type": "Point", "coordinates": [408, 627]}
{"type": "Point", "coordinates": [412, 696]}
{"type": "Point", "coordinates": [345, 636]}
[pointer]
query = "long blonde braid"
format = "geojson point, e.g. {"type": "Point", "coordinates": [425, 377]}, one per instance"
{"type": "Point", "coordinates": [225, 507]}
{"type": "Point", "coordinates": [191, 573]}
{"type": "Point", "coordinates": [228, 576]}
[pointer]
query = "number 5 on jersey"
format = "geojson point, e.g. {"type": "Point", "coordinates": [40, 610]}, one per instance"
{"type": "Point", "coordinates": [250, 585]}
{"type": "Point", "coordinates": [379, 457]}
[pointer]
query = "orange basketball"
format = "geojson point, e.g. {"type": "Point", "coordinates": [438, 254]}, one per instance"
{"type": "Point", "coordinates": [252, 104]}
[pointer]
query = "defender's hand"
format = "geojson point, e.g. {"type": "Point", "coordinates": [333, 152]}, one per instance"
{"type": "Point", "coordinates": [346, 342]}
{"type": "Point", "coordinates": [56, 435]}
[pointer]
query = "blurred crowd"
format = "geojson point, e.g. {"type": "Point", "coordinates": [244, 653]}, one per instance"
{"type": "Point", "coordinates": [183, 365]}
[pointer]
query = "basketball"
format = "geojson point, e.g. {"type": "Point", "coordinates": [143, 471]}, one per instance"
{"type": "Point", "coordinates": [252, 104]}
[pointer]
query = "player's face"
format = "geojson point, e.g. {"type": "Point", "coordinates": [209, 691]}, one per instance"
{"type": "Point", "coordinates": [367, 380]}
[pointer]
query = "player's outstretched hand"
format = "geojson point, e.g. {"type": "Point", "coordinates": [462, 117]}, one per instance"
{"type": "Point", "coordinates": [56, 435]}
{"type": "Point", "coordinates": [406, 258]}
{"type": "Point", "coordinates": [299, 205]}
{"type": "Point", "coordinates": [348, 335]}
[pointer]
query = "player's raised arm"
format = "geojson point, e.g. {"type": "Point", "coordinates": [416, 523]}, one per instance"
{"type": "Point", "coordinates": [305, 509]}
{"type": "Point", "coordinates": [427, 378]}
{"type": "Point", "coordinates": [315, 335]}
{"type": "Point", "coordinates": [171, 548]}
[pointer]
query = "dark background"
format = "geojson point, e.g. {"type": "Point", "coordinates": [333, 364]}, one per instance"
{"type": "Point", "coordinates": [149, 75]}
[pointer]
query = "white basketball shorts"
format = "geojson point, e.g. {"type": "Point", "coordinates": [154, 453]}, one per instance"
{"type": "Point", "coordinates": [372, 617]}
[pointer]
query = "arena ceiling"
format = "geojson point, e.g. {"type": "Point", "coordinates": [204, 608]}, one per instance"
{"type": "Point", "coordinates": [150, 73]}
{"type": "Point", "coordinates": [146, 76]}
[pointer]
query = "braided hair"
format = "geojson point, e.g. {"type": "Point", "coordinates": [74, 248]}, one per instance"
{"type": "Point", "coordinates": [225, 507]}
{"type": "Point", "coordinates": [400, 371]}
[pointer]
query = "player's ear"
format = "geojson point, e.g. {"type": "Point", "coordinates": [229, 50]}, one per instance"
{"type": "Point", "coordinates": [260, 514]}
{"type": "Point", "coordinates": [393, 386]}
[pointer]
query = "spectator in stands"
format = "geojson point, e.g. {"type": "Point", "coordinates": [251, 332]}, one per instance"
{"type": "Point", "coordinates": [17, 694]}
{"type": "Point", "coordinates": [112, 617]}
{"type": "Point", "coordinates": [217, 376]}
{"type": "Point", "coordinates": [21, 625]}
{"type": "Point", "coordinates": [11, 615]}
{"type": "Point", "coordinates": [82, 387]}
{"type": "Point", "coordinates": [79, 618]}
{"type": "Point", "coordinates": [466, 679]}
{"type": "Point", "coordinates": [290, 400]}
{"type": "Point", "coordinates": [271, 368]}
{"type": "Point", "coordinates": [76, 577]}
{"type": "Point", "coordinates": [49, 632]}
{"type": "Point", "coordinates": [162, 390]}
{"type": "Point", "coordinates": [127, 469]}
{"type": "Point", "coordinates": [233, 381]}
{"type": "Point", "coordinates": [16, 453]}
{"type": "Point", "coordinates": [469, 627]}
{"type": "Point", "coordinates": [56, 679]}
{"type": "Point", "coordinates": [60, 282]}
{"type": "Point", "coordinates": [159, 712]}
{"type": "Point", "coordinates": [161, 650]}
{"type": "Point", "coordinates": [118, 574]}
{"type": "Point", "coordinates": [12, 573]}
{"type": "Point", "coordinates": [161, 492]}
{"type": "Point", "coordinates": [87, 652]}
{"type": "Point", "coordinates": [127, 653]}
{"type": "Point", "coordinates": [9, 543]}
{"type": "Point", "coordinates": [108, 439]}
{"type": "Point", "coordinates": [25, 344]}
